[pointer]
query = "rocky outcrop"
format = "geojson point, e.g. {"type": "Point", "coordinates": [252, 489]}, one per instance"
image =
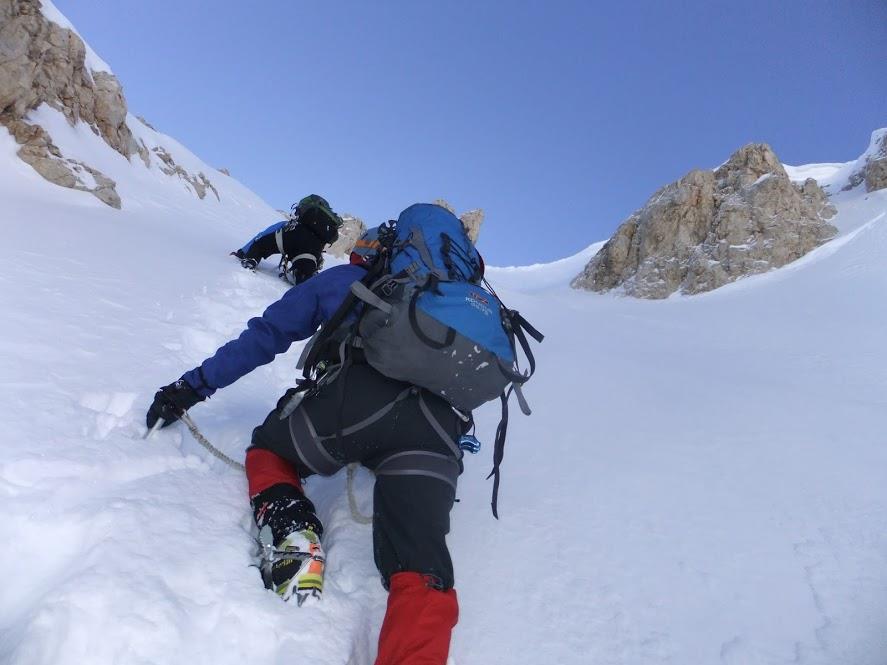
{"type": "Point", "coordinates": [443, 203]}
{"type": "Point", "coordinates": [147, 124]}
{"type": "Point", "coordinates": [352, 228]}
{"type": "Point", "coordinates": [471, 219]}
{"type": "Point", "coordinates": [41, 62]}
{"type": "Point", "coordinates": [38, 150]}
{"type": "Point", "coordinates": [200, 183]}
{"type": "Point", "coordinates": [712, 227]}
{"type": "Point", "coordinates": [872, 166]}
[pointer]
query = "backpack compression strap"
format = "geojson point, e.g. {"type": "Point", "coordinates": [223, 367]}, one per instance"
{"type": "Point", "coordinates": [499, 451]}
{"type": "Point", "coordinates": [417, 240]}
{"type": "Point", "coordinates": [519, 326]}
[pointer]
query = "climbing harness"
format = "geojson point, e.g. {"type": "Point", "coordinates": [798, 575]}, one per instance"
{"type": "Point", "coordinates": [356, 515]}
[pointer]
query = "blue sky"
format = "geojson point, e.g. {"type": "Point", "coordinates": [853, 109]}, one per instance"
{"type": "Point", "coordinates": [558, 118]}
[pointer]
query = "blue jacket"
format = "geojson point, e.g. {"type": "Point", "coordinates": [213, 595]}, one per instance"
{"type": "Point", "coordinates": [296, 316]}
{"type": "Point", "coordinates": [274, 228]}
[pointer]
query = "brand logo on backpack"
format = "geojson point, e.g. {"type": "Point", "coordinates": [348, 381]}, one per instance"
{"type": "Point", "coordinates": [479, 302]}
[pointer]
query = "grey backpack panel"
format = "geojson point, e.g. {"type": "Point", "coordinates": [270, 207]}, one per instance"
{"type": "Point", "coordinates": [392, 347]}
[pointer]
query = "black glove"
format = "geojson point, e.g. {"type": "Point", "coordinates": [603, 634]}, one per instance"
{"type": "Point", "coordinates": [170, 401]}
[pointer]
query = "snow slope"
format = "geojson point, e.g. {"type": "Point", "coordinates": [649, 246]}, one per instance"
{"type": "Point", "coordinates": [701, 481]}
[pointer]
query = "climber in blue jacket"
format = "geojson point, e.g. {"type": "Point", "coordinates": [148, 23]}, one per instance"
{"type": "Point", "coordinates": [404, 433]}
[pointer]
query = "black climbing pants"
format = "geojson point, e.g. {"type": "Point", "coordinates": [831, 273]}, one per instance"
{"type": "Point", "coordinates": [302, 246]}
{"type": "Point", "coordinates": [262, 248]}
{"type": "Point", "coordinates": [406, 435]}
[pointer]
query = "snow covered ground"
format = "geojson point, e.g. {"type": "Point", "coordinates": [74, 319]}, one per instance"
{"type": "Point", "coordinates": [703, 477]}
{"type": "Point", "coordinates": [701, 482]}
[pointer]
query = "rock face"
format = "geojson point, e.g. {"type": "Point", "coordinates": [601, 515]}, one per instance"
{"type": "Point", "coordinates": [872, 166]}
{"type": "Point", "coordinates": [44, 63]}
{"type": "Point", "coordinates": [43, 155]}
{"type": "Point", "coordinates": [352, 229]}
{"type": "Point", "coordinates": [712, 227]}
{"type": "Point", "coordinates": [41, 62]}
{"type": "Point", "coordinates": [471, 219]}
{"type": "Point", "coordinates": [200, 183]}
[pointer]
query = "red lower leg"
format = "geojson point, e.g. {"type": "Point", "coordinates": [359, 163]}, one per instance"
{"type": "Point", "coordinates": [418, 623]}
{"type": "Point", "coordinates": [264, 469]}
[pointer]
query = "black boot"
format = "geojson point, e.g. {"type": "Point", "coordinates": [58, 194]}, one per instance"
{"type": "Point", "coordinates": [285, 509]}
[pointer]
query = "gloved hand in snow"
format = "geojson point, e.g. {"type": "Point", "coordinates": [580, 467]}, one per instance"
{"type": "Point", "coordinates": [170, 401]}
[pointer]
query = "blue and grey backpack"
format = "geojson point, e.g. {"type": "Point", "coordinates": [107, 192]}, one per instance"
{"type": "Point", "coordinates": [430, 319]}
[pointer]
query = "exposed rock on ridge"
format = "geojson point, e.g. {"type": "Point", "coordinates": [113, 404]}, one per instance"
{"type": "Point", "coordinates": [352, 228]}
{"type": "Point", "coordinates": [712, 227]}
{"type": "Point", "coordinates": [200, 183]}
{"type": "Point", "coordinates": [872, 169]}
{"type": "Point", "coordinates": [42, 62]}
{"type": "Point", "coordinates": [471, 219]}
{"type": "Point", "coordinates": [43, 155]}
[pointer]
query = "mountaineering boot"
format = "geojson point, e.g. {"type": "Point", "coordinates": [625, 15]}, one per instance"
{"type": "Point", "coordinates": [291, 558]}
{"type": "Point", "coordinates": [249, 264]}
{"type": "Point", "coordinates": [294, 567]}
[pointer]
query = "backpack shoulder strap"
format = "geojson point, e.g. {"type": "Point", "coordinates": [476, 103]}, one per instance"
{"type": "Point", "coordinates": [363, 292]}
{"type": "Point", "coordinates": [321, 337]}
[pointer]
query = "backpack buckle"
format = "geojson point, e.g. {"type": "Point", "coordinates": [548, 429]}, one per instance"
{"type": "Point", "coordinates": [388, 287]}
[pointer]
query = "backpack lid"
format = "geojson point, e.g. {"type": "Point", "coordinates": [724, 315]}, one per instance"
{"type": "Point", "coordinates": [430, 240]}
{"type": "Point", "coordinates": [317, 207]}
{"type": "Point", "coordinates": [313, 200]}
